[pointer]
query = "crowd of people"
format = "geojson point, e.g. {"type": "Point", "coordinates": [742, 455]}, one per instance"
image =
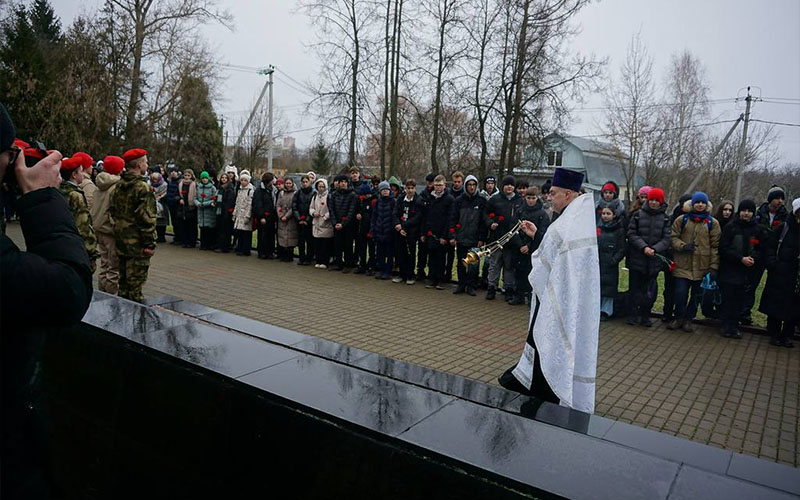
{"type": "Point", "coordinates": [394, 231]}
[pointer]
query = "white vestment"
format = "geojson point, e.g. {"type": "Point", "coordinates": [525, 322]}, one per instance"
{"type": "Point", "coordinates": [566, 284]}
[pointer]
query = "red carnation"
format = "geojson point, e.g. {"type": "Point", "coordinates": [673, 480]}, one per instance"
{"type": "Point", "coordinates": [344, 219]}
{"type": "Point", "coordinates": [776, 223]}
{"type": "Point", "coordinates": [403, 218]}
{"type": "Point", "coordinates": [266, 214]}
{"type": "Point", "coordinates": [458, 226]}
{"type": "Point", "coordinates": [361, 197]}
{"type": "Point", "coordinates": [202, 195]}
{"type": "Point", "coordinates": [214, 198]}
{"type": "Point", "coordinates": [491, 215]}
{"type": "Point", "coordinates": [697, 219]}
{"type": "Point", "coordinates": [302, 217]}
{"type": "Point", "coordinates": [672, 265]}
{"type": "Point", "coordinates": [452, 230]}
{"type": "Point", "coordinates": [501, 218]}
{"type": "Point", "coordinates": [754, 241]}
{"type": "Point", "coordinates": [430, 233]}
{"type": "Point", "coordinates": [323, 203]}
{"type": "Point", "coordinates": [230, 210]}
{"type": "Point", "coordinates": [599, 231]}
{"type": "Point", "coordinates": [184, 192]}
{"type": "Point", "coordinates": [369, 235]}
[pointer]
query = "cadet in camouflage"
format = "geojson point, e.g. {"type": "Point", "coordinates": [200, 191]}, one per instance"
{"type": "Point", "coordinates": [133, 208]}
{"type": "Point", "coordinates": [71, 176]}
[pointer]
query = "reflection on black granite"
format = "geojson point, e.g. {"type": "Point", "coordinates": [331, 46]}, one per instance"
{"type": "Point", "coordinates": [439, 381]}
{"type": "Point", "coordinates": [128, 319]}
{"type": "Point", "coordinates": [561, 416]}
{"type": "Point", "coordinates": [693, 484]}
{"type": "Point", "coordinates": [189, 308]}
{"type": "Point", "coordinates": [343, 392]}
{"type": "Point", "coordinates": [331, 350]}
{"type": "Point", "coordinates": [255, 328]}
{"type": "Point", "coordinates": [551, 459]}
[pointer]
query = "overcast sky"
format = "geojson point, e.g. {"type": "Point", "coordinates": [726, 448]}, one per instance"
{"type": "Point", "coordinates": [740, 43]}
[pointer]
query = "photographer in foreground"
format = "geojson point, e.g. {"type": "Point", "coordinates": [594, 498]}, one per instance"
{"type": "Point", "coordinates": [47, 286]}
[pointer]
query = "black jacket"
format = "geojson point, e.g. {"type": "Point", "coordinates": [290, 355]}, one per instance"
{"type": "Point", "coordinates": [381, 225]}
{"type": "Point", "coordinates": [264, 203]}
{"type": "Point", "coordinates": [470, 227]}
{"type": "Point", "coordinates": [344, 203]}
{"type": "Point", "coordinates": [762, 217]}
{"type": "Point", "coordinates": [228, 193]}
{"type": "Point", "coordinates": [366, 205]}
{"type": "Point", "coordinates": [741, 239]}
{"type": "Point", "coordinates": [538, 216]}
{"type": "Point", "coordinates": [780, 298]}
{"type": "Point", "coordinates": [437, 221]}
{"type": "Point", "coordinates": [503, 211]}
{"type": "Point", "coordinates": [301, 203]}
{"type": "Point", "coordinates": [172, 192]}
{"type": "Point", "coordinates": [648, 228]}
{"type": "Point", "coordinates": [610, 250]}
{"type": "Point", "coordinates": [409, 215]}
{"type": "Point", "coordinates": [48, 286]}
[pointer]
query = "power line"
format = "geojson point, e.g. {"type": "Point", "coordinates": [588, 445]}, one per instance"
{"type": "Point", "coordinates": [780, 102]}
{"type": "Point", "coordinates": [709, 124]}
{"type": "Point", "coordinates": [776, 123]}
{"type": "Point", "coordinates": [658, 105]}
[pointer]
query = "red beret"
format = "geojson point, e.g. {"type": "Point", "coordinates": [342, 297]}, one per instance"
{"type": "Point", "coordinates": [70, 163]}
{"type": "Point", "coordinates": [656, 194]}
{"type": "Point", "coordinates": [85, 159]}
{"type": "Point", "coordinates": [113, 165]}
{"type": "Point", "coordinates": [609, 187]}
{"type": "Point", "coordinates": [133, 154]}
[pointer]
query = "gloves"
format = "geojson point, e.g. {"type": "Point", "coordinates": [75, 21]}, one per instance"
{"type": "Point", "coordinates": [689, 247]}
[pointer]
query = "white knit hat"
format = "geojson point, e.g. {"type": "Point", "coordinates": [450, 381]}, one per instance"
{"type": "Point", "coordinates": [795, 205]}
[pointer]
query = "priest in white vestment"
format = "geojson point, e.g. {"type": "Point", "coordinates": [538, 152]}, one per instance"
{"type": "Point", "coordinates": [559, 361]}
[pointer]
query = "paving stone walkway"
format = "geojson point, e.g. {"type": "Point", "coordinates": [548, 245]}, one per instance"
{"type": "Point", "coordinates": [739, 395]}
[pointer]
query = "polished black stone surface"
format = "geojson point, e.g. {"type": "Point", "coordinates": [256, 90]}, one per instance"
{"type": "Point", "coordinates": [190, 308]}
{"type": "Point", "coordinates": [438, 381]}
{"type": "Point", "coordinates": [696, 484]}
{"type": "Point", "coordinates": [547, 458]}
{"type": "Point", "coordinates": [671, 447]}
{"type": "Point", "coordinates": [249, 326]}
{"type": "Point", "coordinates": [331, 350]}
{"type": "Point", "coordinates": [561, 416]}
{"type": "Point", "coordinates": [128, 319]}
{"type": "Point", "coordinates": [368, 400]}
{"type": "Point", "coordinates": [760, 471]}
{"type": "Point", "coordinates": [225, 352]}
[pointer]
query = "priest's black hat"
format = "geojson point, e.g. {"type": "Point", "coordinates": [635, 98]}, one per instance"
{"type": "Point", "coordinates": [567, 179]}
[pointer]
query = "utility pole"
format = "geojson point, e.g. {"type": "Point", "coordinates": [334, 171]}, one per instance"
{"type": "Point", "coordinates": [707, 164]}
{"type": "Point", "coordinates": [740, 166]}
{"type": "Point", "coordinates": [269, 144]}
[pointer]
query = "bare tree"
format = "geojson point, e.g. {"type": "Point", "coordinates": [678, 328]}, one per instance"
{"type": "Point", "coordinates": [630, 113]}
{"type": "Point", "coordinates": [146, 19]}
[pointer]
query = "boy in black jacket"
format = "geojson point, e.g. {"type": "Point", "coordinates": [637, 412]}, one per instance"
{"type": "Point", "coordinates": [533, 210]}
{"type": "Point", "coordinates": [470, 231]}
{"type": "Point", "coordinates": [436, 226]}
{"type": "Point", "coordinates": [300, 205]}
{"type": "Point", "coordinates": [407, 218]}
{"type": "Point", "coordinates": [265, 215]}
{"type": "Point", "coordinates": [502, 212]}
{"type": "Point", "coordinates": [365, 246]}
{"type": "Point", "coordinates": [344, 203]}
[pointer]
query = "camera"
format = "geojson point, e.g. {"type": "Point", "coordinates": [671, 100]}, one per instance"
{"type": "Point", "coordinates": [34, 152]}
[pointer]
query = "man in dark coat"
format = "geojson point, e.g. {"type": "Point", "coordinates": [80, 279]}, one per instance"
{"type": "Point", "coordinates": [407, 220]}
{"type": "Point", "coordinates": [54, 272]}
{"type": "Point", "coordinates": [470, 231]}
{"type": "Point", "coordinates": [668, 294]}
{"type": "Point", "coordinates": [741, 251]}
{"type": "Point", "coordinates": [500, 216]}
{"type": "Point", "coordinates": [300, 205]}
{"type": "Point", "coordinates": [171, 198]}
{"type": "Point", "coordinates": [770, 216]}
{"type": "Point", "coordinates": [226, 202]}
{"type": "Point", "coordinates": [436, 225]}
{"type": "Point", "coordinates": [781, 295]}
{"type": "Point", "coordinates": [365, 246]}
{"type": "Point", "coordinates": [532, 210]}
{"type": "Point", "coordinates": [648, 235]}
{"type": "Point", "coordinates": [422, 252]}
{"type": "Point", "coordinates": [266, 216]}
{"type": "Point", "coordinates": [455, 190]}
{"type": "Point", "coordinates": [344, 204]}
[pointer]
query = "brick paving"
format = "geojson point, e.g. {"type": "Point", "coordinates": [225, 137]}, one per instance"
{"type": "Point", "coordinates": [738, 395]}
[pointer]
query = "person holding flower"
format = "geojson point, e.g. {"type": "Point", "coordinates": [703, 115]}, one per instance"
{"type": "Point", "coordinates": [502, 213]}
{"type": "Point", "coordinates": [206, 202]}
{"type": "Point", "coordinates": [741, 253]}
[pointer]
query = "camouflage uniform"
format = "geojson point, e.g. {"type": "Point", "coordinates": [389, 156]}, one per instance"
{"type": "Point", "coordinates": [133, 208]}
{"type": "Point", "coordinates": [80, 212]}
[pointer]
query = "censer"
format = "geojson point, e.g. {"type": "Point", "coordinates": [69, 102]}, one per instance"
{"type": "Point", "coordinates": [474, 255]}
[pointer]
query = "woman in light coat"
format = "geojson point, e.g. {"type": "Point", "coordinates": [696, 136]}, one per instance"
{"type": "Point", "coordinates": [321, 226]}
{"type": "Point", "coordinates": [243, 216]}
{"type": "Point", "coordinates": [206, 202]}
{"type": "Point", "coordinates": [287, 223]}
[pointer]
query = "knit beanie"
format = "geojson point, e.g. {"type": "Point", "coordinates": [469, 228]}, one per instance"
{"type": "Point", "coordinates": [509, 180]}
{"type": "Point", "coordinates": [383, 185]}
{"type": "Point", "coordinates": [365, 189]}
{"type": "Point", "coordinates": [644, 190]}
{"type": "Point", "coordinates": [204, 175]}
{"type": "Point", "coordinates": [656, 194]}
{"type": "Point", "coordinates": [747, 205]}
{"type": "Point", "coordinates": [699, 197]}
{"type": "Point", "coordinates": [7, 129]}
{"type": "Point", "coordinates": [775, 192]}
{"type": "Point", "coordinates": [609, 186]}
{"type": "Point", "coordinates": [244, 175]}
{"type": "Point", "coordinates": [796, 206]}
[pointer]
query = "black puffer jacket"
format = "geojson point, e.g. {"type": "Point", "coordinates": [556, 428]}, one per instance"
{"type": "Point", "coordinates": [470, 227]}
{"type": "Point", "coordinates": [610, 250]}
{"type": "Point", "coordinates": [538, 216]}
{"type": "Point", "coordinates": [503, 211]}
{"type": "Point", "coordinates": [438, 219]}
{"type": "Point", "coordinates": [344, 203]}
{"type": "Point", "coordinates": [264, 203]}
{"type": "Point", "coordinates": [648, 228]}
{"type": "Point", "coordinates": [301, 203]}
{"type": "Point", "coordinates": [762, 217]}
{"type": "Point", "coordinates": [781, 298]}
{"type": "Point", "coordinates": [741, 239]}
{"type": "Point", "coordinates": [409, 215]}
{"type": "Point", "coordinates": [381, 225]}
{"type": "Point", "coordinates": [366, 206]}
